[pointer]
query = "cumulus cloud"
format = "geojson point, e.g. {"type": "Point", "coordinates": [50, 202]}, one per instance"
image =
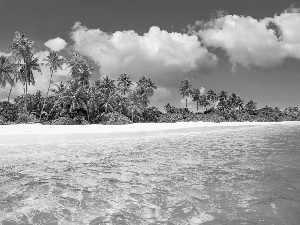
{"type": "Point", "coordinates": [56, 44]}
{"type": "Point", "coordinates": [165, 57]}
{"type": "Point", "coordinates": [161, 94]}
{"type": "Point", "coordinates": [248, 41]}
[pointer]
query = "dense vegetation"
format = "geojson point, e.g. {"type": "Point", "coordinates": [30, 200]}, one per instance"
{"type": "Point", "coordinates": [82, 101]}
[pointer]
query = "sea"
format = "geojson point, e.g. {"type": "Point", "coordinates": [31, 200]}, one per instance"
{"type": "Point", "coordinates": [242, 175]}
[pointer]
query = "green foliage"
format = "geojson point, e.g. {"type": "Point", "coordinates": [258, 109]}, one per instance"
{"type": "Point", "coordinates": [63, 121]}
{"type": "Point", "coordinates": [171, 118]}
{"type": "Point", "coordinates": [27, 118]}
{"type": "Point", "coordinates": [151, 115]}
{"type": "Point", "coordinates": [80, 120]}
{"type": "Point", "coordinates": [114, 118]}
{"type": "Point", "coordinates": [9, 111]}
{"type": "Point", "coordinates": [34, 103]}
{"type": "Point", "coordinates": [3, 120]}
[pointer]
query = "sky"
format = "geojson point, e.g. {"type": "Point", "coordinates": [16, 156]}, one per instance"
{"type": "Point", "coordinates": [251, 48]}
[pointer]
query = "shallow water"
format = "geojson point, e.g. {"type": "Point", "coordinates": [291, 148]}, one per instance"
{"type": "Point", "coordinates": [245, 175]}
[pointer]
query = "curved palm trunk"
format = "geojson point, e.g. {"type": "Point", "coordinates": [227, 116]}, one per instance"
{"type": "Point", "coordinates": [46, 96]}
{"type": "Point", "coordinates": [9, 93]}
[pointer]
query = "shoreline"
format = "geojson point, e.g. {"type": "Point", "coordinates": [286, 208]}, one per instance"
{"type": "Point", "coordinates": [19, 129]}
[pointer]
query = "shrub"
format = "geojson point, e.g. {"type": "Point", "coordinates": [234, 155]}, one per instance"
{"type": "Point", "coordinates": [63, 121]}
{"type": "Point", "coordinates": [171, 118]}
{"type": "Point", "coordinates": [3, 120]}
{"type": "Point", "coordinates": [26, 118]}
{"type": "Point", "coordinates": [9, 111]}
{"type": "Point", "coordinates": [115, 118]}
{"type": "Point", "coordinates": [80, 120]}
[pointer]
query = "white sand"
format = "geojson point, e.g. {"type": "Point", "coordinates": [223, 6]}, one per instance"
{"type": "Point", "coordinates": [137, 127]}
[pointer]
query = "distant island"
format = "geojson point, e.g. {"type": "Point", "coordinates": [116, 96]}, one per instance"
{"type": "Point", "coordinates": [108, 101]}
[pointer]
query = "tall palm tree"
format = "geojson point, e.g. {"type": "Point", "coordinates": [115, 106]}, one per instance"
{"type": "Point", "coordinates": [185, 88]}
{"type": "Point", "coordinates": [250, 106]}
{"type": "Point", "coordinates": [53, 62]}
{"type": "Point", "coordinates": [223, 96]}
{"type": "Point", "coordinates": [203, 101]}
{"type": "Point", "coordinates": [7, 68]}
{"type": "Point", "coordinates": [58, 91]}
{"type": "Point", "coordinates": [196, 96]}
{"type": "Point", "coordinates": [107, 85]}
{"type": "Point", "coordinates": [124, 83]}
{"type": "Point", "coordinates": [22, 48]}
{"type": "Point", "coordinates": [145, 89]}
{"type": "Point", "coordinates": [74, 97]}
{"type": "Point", "coordinates": [212, 97]}
{"type": "Point", "coordinates": [80, 69]}
{"type": "Point", "coordinates": [134, 103]}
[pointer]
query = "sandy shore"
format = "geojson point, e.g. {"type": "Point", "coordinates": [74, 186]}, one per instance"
{"type": "Point", "coordinates": [138, 127]}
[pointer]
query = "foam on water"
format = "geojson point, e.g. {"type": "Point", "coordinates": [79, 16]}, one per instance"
{"type": "Point", "coordinates": [246, 175]}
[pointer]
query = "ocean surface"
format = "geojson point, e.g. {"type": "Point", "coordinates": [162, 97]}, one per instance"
{"type": "Point", "coordinates": [233, 175]}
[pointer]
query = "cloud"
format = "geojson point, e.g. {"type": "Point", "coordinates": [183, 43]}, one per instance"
{"type": "Point", "coordinates": [161, 94]}
{"type": "Point", "coordinates": [202, 90]}
{"type": "Point", "coordinates": [248, 41]}
{"type": "Point", "coordinates": [165, 57]}
{"type": "Point", "coordinates": [6, 54]}
{"type": "Point", "coordinates": [56, 44]}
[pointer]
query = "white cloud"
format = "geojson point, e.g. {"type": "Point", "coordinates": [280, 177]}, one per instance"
{"type": "Point", "coordinates": [56, 44]}
{"type": "Point", "coordinates": [6, 54]}
{"type": "Point", "coordinates": [247, 41]}
{"type": "Point", "coordinates": [202, 91]}
{"type": "Point", "coordinates": [165, 57]}
{"type": "Point", "coordinates": [161, 94]}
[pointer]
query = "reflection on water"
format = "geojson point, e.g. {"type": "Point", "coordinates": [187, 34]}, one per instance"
{"type": "Point", "coordinates": [237, 176]}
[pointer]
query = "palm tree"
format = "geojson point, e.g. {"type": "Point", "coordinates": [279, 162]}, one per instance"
{"type": "Point", "coordinates": [250, 106]}
{"type": "Point", "coordinates": [53, 62]}
{"type": "Point", "coordinates": [74, 97]}
{"type": "Point", "coordinates": [107, 85]}
{"type": "Point", "coordinates": [212, 97]}
{"type": "Point", "coordinates": [7, 67]}
{"type": "Point", "coordinates": [196, 96]}
{"type": "Point", "coordinates": [134, 103]}
{"type": "Point", "coordinates": [60, 87]}
{"type": "Point", "coordinates": [223, 96]}
{"type": "Point", "coordinates": [22, 48]}
{"type": "Point", "coordinates": [124, 83]}
{"type": "Point", "coordinates": [145, 89]}
{"type": "Point", "coordinates": [185, 88]}
{"type": "Point", "coordinates": [80, 69]}
{"type": "Point", "coordinates": [203, 101]}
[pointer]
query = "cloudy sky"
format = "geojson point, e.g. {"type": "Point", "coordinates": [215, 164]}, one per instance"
{"type": "Point", "coordinates": [251, 48]}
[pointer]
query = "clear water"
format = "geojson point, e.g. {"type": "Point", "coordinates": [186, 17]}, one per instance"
{"type": "Point", "coordinates": [246, 175]}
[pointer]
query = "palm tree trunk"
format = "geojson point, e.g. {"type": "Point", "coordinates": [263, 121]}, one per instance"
{"type": "Point", "coordinates": [186, 103]}
{"type": "Point", "coordinates": [25, 97]}
{"type": "Point", "coordinates": [46, 97]}
{"type": "Point", "coordinates": [132, 115]}
{"type": "Point", "coordinates": [9, 93]}
{"type": "Point", "coordinates": [88, 115]}
{"type": "Point", "coordinates": [197, 105]}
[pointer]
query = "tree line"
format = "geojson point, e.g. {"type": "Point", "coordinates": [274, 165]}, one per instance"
{"type": "Point", "coordinates": [81, 100]}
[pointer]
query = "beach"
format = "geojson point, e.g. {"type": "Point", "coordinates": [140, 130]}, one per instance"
{"type": "Point", "coordinates": [40, 129]}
